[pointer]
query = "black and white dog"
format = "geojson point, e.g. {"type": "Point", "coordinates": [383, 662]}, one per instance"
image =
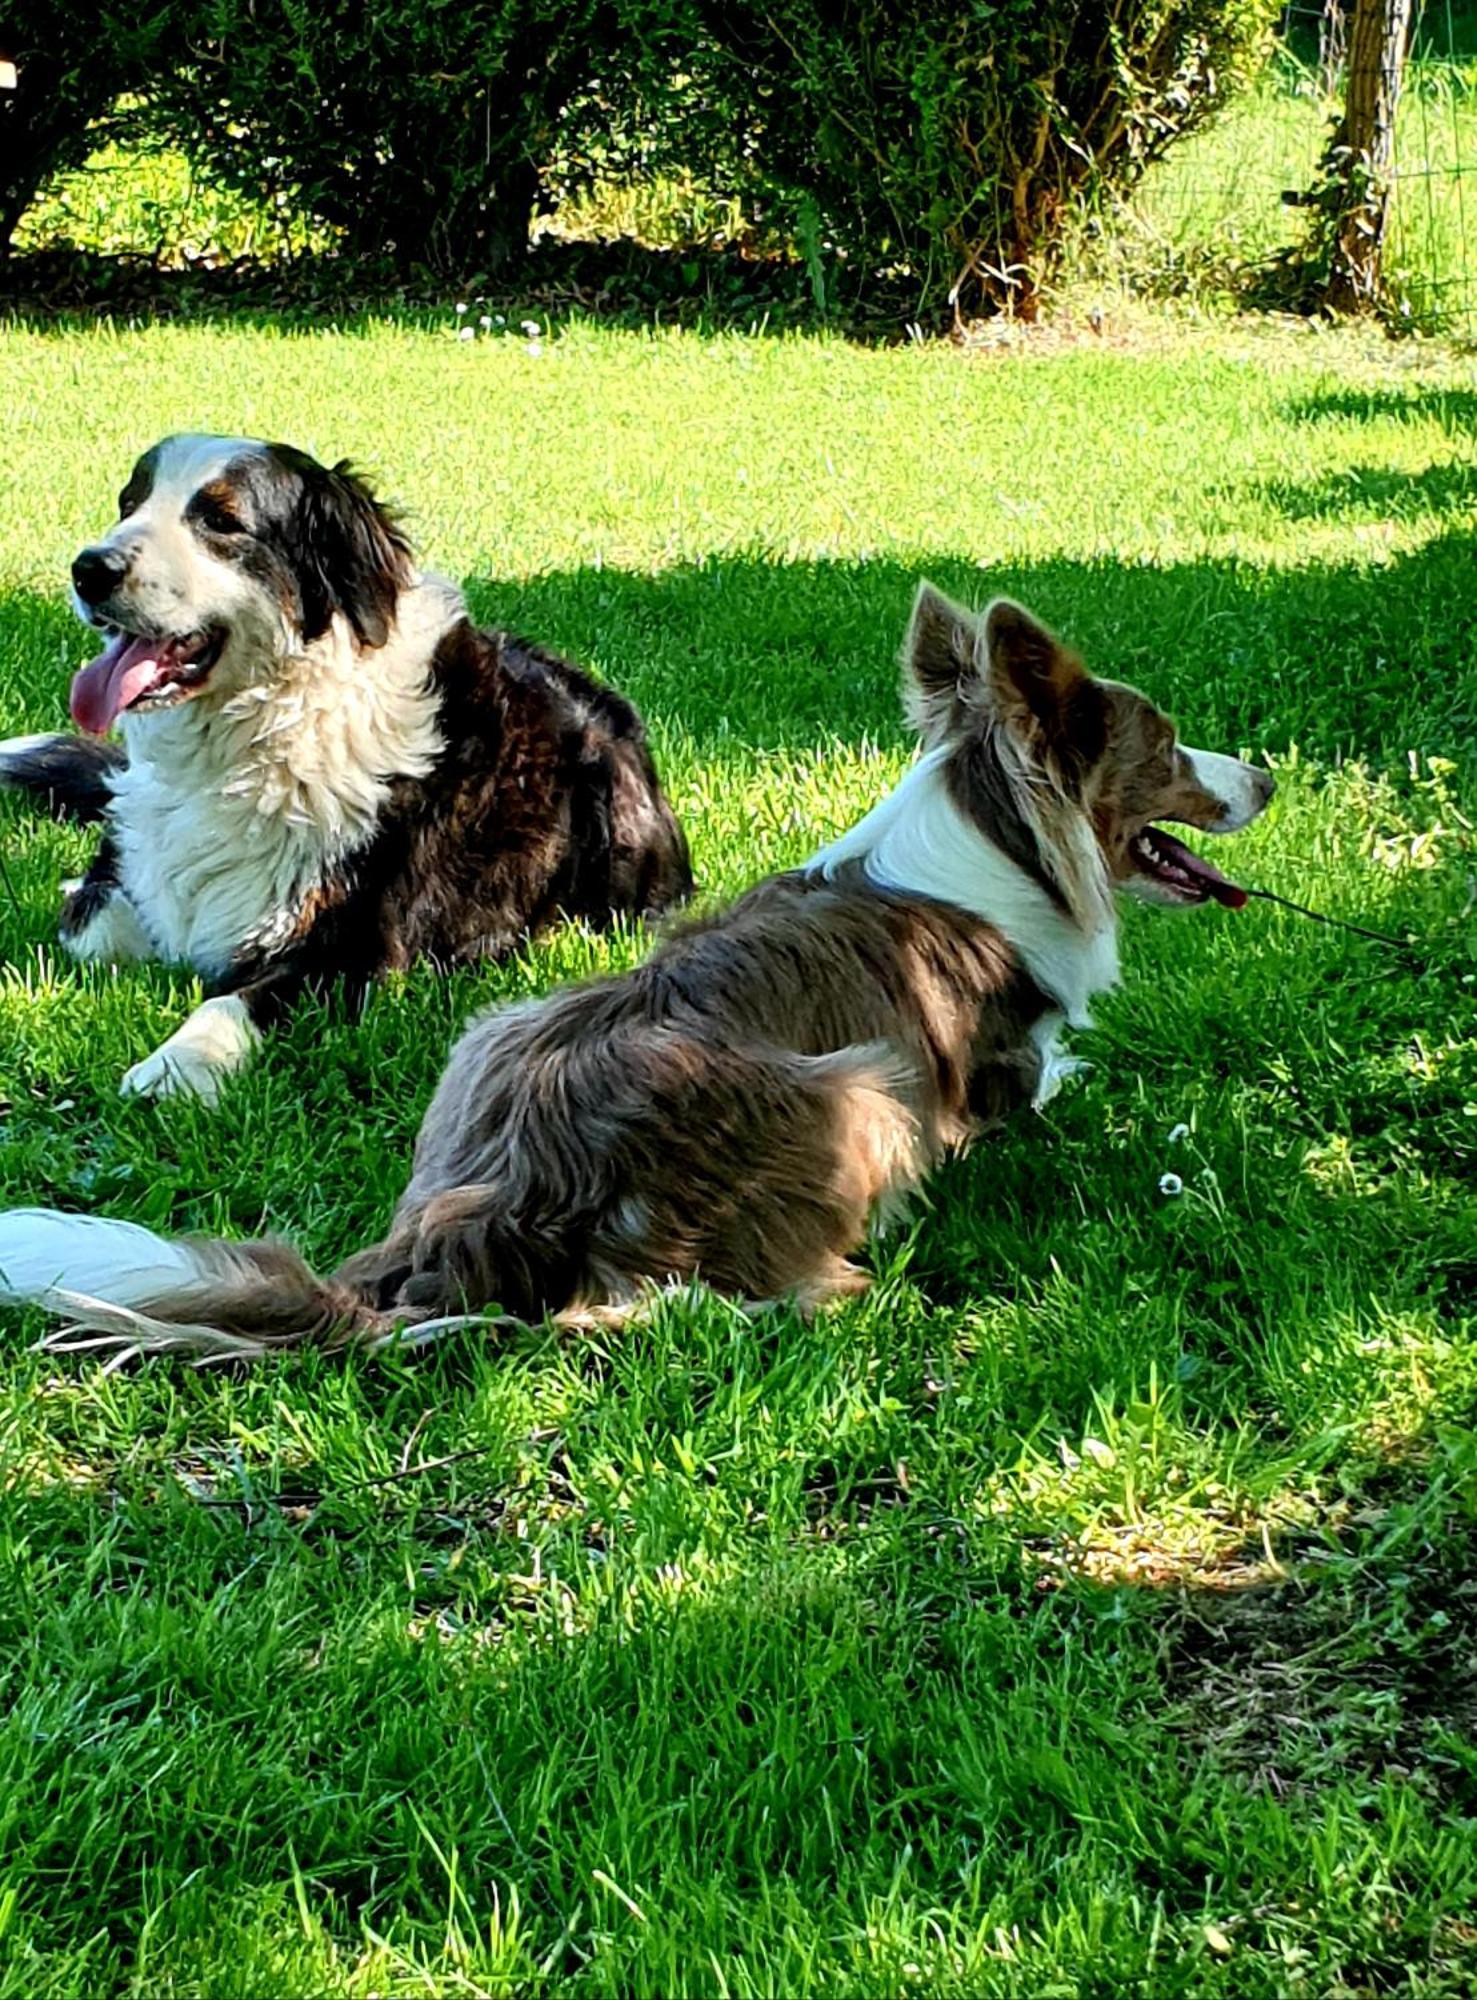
{"type": "Point", "coordinates": [326, 770]}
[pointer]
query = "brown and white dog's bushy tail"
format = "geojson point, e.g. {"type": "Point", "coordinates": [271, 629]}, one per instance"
{"type": "Point", "coordinates": [120, 1286]}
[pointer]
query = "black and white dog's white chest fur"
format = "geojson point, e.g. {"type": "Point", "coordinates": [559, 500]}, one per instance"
{"type": "Point", "coordinates": [227, 823]}
{"type": "Point", "coordinates": [326, 770]}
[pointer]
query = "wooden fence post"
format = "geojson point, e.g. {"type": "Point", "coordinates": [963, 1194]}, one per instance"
{"type": "Point", "coordinates": [1362, 153]}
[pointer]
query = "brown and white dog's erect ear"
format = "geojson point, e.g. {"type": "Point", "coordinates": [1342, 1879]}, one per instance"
{"type": "Point", "coordinates": [942, 658]}
{"type": "Point", "coordinates": [1038, 687]}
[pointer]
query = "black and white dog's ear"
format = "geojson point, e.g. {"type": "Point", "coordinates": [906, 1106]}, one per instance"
{"type": "Point", "coordinates": [352, 555]}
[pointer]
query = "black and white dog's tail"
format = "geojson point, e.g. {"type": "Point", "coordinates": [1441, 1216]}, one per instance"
{"type": "Point", "coordinates": [121, 1287]}
{"type": "Point", "coordinates": [68, 774]}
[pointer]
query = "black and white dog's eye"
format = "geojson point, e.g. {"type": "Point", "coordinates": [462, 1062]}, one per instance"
{"type": "Point", "coordinates": [218, 520]}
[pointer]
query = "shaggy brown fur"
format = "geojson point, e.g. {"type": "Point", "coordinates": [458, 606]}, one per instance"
{"type": "Point", "coordinates": [741, 1107]}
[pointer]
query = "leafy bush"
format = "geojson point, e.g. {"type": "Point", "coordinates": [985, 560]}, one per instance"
{"type": "Point", "coordinates": [74, 60]}
{"type": "Point", "coordinates": [415, 128]}
{"type": "Point", "coordinates": [942, 140]}
{"type": "Point", "coordinates": [926, 147]}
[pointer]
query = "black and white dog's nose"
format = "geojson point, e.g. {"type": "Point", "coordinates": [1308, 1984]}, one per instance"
{"type": "Point", "coordinates": [97, 573]}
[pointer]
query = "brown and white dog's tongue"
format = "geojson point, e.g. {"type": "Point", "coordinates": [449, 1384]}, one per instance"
{"type": "Point", "coordinates": [116, 678]}
{"type": "Point", "coordinates": [1199, 870]}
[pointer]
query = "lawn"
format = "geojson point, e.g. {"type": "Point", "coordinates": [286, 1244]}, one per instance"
{"type": "Point", "coordinates": [1091, 1610]}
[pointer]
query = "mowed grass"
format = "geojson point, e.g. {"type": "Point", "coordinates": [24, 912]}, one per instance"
{"type": "Point", "coordinates": [1088, 1611]}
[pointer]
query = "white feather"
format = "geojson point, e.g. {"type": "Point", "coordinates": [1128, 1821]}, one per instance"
{"type": "Point", "coordinates": [917, 841]}
{"type": "Point", "coordinates": [45, 1255]}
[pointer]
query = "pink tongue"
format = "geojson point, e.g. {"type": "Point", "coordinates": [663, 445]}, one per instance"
{"type": "Point", "coordinates": [1200, 870]}
{"type": "Point", "coordinates": [115, 680]}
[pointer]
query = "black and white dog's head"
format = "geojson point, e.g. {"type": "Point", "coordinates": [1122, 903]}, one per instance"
{"type": "Point", "coordinates": [229, 555]}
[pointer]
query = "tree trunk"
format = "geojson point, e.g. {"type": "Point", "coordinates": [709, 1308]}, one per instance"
{"type": "Point", "coordinates": [1363, 151]}
{"type": "Point", "coordinates": [1333, 45]}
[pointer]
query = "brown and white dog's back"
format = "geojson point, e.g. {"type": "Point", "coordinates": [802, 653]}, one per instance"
{"type": "Point", "coordinates": [741, 1107]}
{"type": "Point", "coordinates": [327, 770]}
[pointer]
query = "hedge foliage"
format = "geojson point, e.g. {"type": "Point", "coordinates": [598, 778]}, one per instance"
{"type": "Point", "coordinates": [74, 63]}
{"type": "Point", "coordinates": [928, 147]}
{"type": "Point", "coordinates": [946, 137]}
{"type": "Point", "coordinates": [417, 128]}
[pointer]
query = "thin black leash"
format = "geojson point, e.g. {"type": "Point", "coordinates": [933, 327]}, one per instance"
{"type": "Point", "coordinates": [1404, 944]}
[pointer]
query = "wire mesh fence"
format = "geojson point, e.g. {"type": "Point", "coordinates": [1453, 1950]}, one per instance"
{"type": "Point", "coordinates": [1228, 199]}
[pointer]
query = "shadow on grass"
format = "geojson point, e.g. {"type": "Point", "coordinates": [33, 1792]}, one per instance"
{"type": "Point", "coordinates": [1341, 659]}
{"type": "Point", "coordinates": [1457, 407]}
{"type": "Point", "coordinates": [844, 1685]}
{"type": "Point", "coordinates": [620, 283]}
{"type": "Point", "coordinates": [1292, 1037]}
{"type": "Point", "coordinates": [898, 1708]}
{"type": "Point", "coordinates": [1372, 492]}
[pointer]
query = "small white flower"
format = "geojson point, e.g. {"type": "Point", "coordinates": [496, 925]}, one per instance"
{"type": "Point", "coordinates": [1171, 1184]}
{"type": "Point", "coordinates": [485, 322]}
{"type": "Point", "coordinates": [535, 347]}
{"type": "Point", "coordinates": [467, 333]}
{"type": "Point", "coordinates": [462, 306]}
{"type": "Point", "coordinates": [1179, 1134]}
{"type": "Point", "coordinates": [531, 327]}
{"type": "Point", "coordinates": [498, 320]}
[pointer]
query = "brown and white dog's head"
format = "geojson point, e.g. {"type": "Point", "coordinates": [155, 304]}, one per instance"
{"type": "Point", "coordinates": [228, 555]}
{"type": "Point", "coordinates": [1070, 776]}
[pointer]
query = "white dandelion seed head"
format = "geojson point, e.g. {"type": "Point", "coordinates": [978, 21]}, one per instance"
{"type": "Point", "coordinates": [1171, 1184]}
{"type": "Point", "coordinates": [1179, 1134]}
{"type": "Point", "coordinates": [531, 327]}
{"type": "Point", "coordinates": [467, 333]}
{"type": "Point", "coordinates": [461, 305]}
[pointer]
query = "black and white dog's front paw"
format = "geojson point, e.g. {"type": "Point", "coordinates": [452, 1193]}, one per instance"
{"type": "Point", "coordinates": [216, 1041]}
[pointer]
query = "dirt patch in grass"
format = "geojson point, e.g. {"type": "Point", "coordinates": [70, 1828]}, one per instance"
{"type": "Point", "coordinates": [1352, 1665]}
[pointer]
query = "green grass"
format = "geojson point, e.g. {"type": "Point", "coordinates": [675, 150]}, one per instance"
{"type": "Point", "coordinates": [123, 202]}
{"type": "Point", "coordinates": [1090, 1610]}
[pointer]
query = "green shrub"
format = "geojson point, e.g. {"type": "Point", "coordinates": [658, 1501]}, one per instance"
{"type": "Point", "coordinates": [941, 141]}
{"type": "Point", "coordinates": [415, 128]}
{"type": "Point", "coordinates": [74, 59]}
{"type": "Point", "coordinates": [922, 150]}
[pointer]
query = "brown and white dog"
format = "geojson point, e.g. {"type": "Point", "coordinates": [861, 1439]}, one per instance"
{"type": "Point", "coordinates": [742, 1107]}
{"type": "Point", "coordinates": [327, 771]}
